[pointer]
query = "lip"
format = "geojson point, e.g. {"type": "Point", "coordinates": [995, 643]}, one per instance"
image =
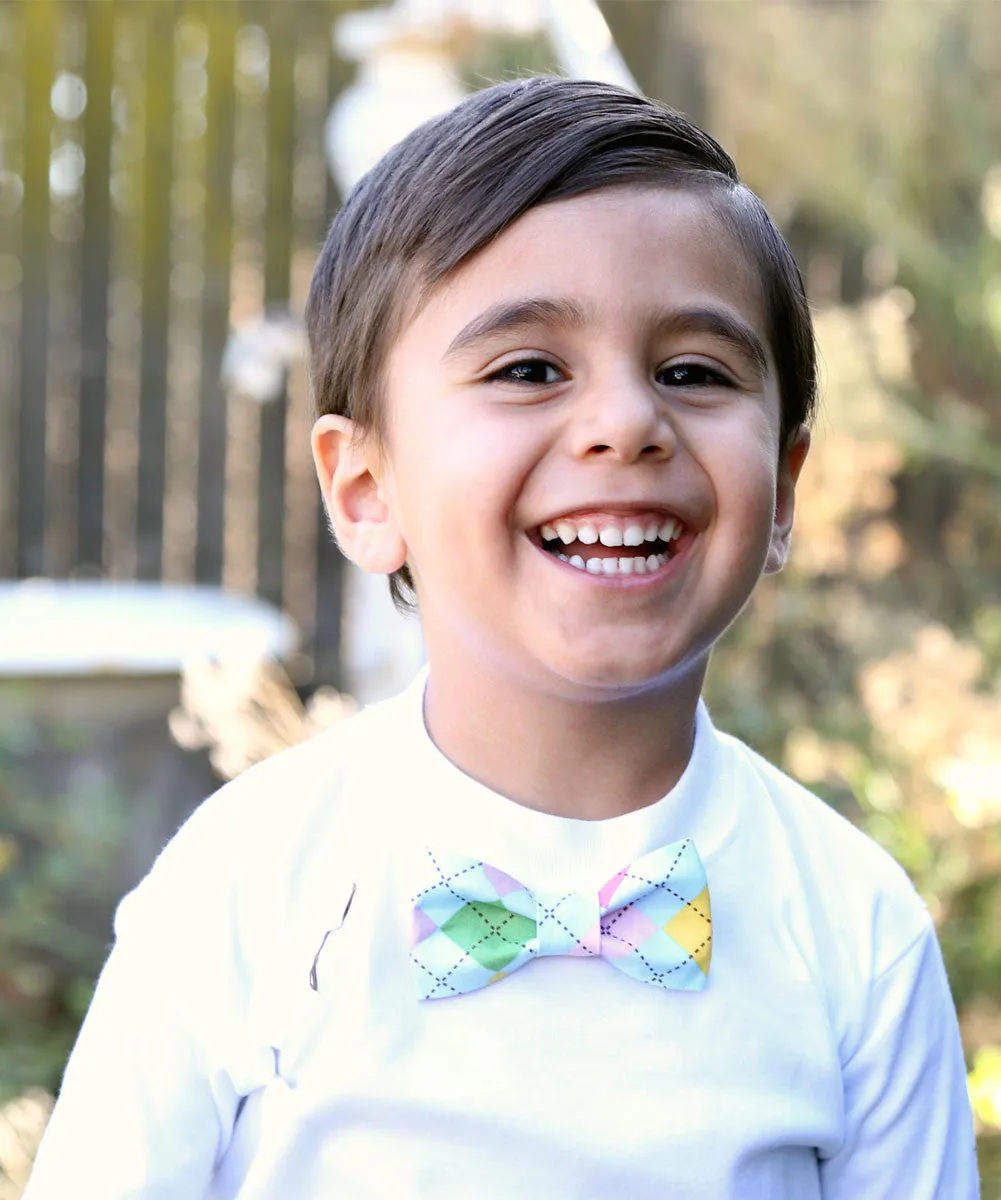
{"type": "Point", "coordinates": [597, 511]}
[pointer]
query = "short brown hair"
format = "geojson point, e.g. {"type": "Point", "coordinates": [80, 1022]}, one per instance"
{"type": "Point", "coordinates": [458, 180]}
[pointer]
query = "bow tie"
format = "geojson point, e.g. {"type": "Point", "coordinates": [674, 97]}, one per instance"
{"type": "Point", "coordinates": [473, 924]}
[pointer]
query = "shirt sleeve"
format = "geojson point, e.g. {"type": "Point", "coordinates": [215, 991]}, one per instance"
{"type": "Point", "coordinates": [148, 1099]}
{"type": "Point", "coordinates": [908, 1121]}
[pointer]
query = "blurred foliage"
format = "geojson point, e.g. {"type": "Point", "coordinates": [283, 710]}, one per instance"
{"type": "Point", "coordinates": [872, 670]}
{"type": "Point", "coordinates": [63, 826]}
{"type": "Point", "coordinates": [60, 852]}
{"type": "Point", "coordinates": [243, 711]}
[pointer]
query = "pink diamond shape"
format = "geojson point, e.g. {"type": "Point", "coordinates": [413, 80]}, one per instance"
{"type": "Point", "coordinates": [610, 888]}
{"type": "Point", "coordinates": [503, 883]}
{"type": "Point", "coordinates": [589, 942]}
{"type": "Point", "coordinates": [624, 930]}
{"type": "Point", "coordinates": [421, 926]}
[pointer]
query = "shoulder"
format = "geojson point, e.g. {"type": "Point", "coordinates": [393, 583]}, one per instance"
{"type": "Point", "coordinates": [226, 921]}
{"type": "Point", "coordinates": [247, 853]}
{"type": "Point", "coordinates": [849, 887]}
{"type": "Point", "coordinates": [276, 805]}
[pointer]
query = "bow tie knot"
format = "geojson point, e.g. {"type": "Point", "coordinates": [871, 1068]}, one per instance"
{"type": "Point", "coordinates": [473, 924]}
{"type": "Point", "coordinates": [568, 924]}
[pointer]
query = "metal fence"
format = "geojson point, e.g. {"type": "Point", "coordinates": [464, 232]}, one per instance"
{"type": "Point", "coordinates": [162, 180]}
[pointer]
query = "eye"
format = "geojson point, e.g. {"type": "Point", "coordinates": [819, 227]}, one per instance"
{"type": "Point", "coordinates": [528, 370]}
{"type": "Point", "coordinates": [692, 374]}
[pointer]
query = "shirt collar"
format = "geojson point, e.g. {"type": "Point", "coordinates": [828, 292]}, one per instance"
{"type": "Point", "coordinates": [445, 808]}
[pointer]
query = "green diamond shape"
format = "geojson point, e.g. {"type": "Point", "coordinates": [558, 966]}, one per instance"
{"type": "Point", "coordinates": [489, 933]}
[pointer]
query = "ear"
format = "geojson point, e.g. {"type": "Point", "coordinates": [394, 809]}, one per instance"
{"type": "Point", "coordinates": [350, 469]}
{"type": "Point", "coordinates": [785, 500]}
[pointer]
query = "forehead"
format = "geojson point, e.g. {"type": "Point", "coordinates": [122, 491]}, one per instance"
{"type": "Point", "coordinates": [622, 254]}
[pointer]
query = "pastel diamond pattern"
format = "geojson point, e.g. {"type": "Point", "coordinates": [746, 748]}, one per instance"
{"type": "Point", "coordinates": [473, 924]}
{"type": "Point", "coordinates": [489, 933]}
{"type": "Point", "coordinates": [692, 929]}
{"type": "Point", "coordinates": [627, 928]}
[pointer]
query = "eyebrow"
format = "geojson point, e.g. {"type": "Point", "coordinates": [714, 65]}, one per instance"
{"type": "Point", "coordinates": [718, 323]}
{"type": "Point", "coordinates": [563, 313]}
{"type": "Point", "coordinates": [522, 314]}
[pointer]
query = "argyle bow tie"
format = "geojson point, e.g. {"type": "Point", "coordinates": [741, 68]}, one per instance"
{"type": "Point", "coordinates": [473, 924]}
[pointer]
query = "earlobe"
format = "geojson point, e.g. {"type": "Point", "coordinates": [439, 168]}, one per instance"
{"type": "Point", "coordinates": [348, 470]}
{"type": "Point", "coordinates": [785, 500]}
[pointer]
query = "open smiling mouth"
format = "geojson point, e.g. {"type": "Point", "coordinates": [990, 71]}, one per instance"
{"type": "Point", "coordinates": [637, 545]}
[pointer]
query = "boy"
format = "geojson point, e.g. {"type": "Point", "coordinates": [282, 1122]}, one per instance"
{"type": "Point", "coordinates": [563, 368]}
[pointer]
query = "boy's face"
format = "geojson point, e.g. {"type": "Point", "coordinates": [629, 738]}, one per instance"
{"type": "Point", "coordinates": [600, 369]}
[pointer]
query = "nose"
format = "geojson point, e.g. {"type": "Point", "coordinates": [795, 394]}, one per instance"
{"type": "Point", "coordinates": [622, 418]}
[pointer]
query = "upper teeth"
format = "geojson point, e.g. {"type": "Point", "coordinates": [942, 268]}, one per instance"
{"type": "Point", "coordinates": [610, 532]}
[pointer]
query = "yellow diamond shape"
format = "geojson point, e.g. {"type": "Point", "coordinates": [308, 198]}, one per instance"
{"type": "Point", "coordinates": [692, 929]}
{"type": "Point", "coordinates": [497, 977]}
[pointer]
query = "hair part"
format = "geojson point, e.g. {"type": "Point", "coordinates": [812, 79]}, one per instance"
{"type": "Point", "coordinates": [457, 181]}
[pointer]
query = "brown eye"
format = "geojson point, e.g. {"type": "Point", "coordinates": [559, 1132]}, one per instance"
{"type": "Point", "coordinates": [529, 370]}
{"type": "Point", "coordinates": [691, 374]}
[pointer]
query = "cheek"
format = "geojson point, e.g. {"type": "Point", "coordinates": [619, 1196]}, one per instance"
{"type": "Point", "coordinates": [456, 490]}
{"type": "Point", "coordinates": [740, 456]}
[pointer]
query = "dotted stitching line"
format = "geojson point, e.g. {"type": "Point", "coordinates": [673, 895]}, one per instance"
{"type": "Point", "coordinates": [606, 926]}
{"type": "Point", "coordinates": [659, 975]}
{"type": "Point", "coordinates": [662, 883]}
{"type": "Point", "coordinates": [442, 980]}
{"type": "Point", "coordinates": [609, 922]}
{"type": "Point", "coordinates": [467, 956]}
{"type": "Point", "coordinates": [493, 930]}
{"type": "Point", "coordinates": [445, 881]}
{"type": "Point", "coordinates": [551, 912]}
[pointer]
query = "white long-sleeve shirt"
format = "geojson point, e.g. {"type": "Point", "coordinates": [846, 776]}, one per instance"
{"type": "Point", "coordinates": [821, 1060]}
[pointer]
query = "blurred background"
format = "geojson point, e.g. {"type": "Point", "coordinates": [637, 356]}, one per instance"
{"type": "Point", "coordinates": [171, 606]}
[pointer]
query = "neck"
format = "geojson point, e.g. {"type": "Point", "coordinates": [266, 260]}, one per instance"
{"type": "Point", "coordinates": [572, 757]}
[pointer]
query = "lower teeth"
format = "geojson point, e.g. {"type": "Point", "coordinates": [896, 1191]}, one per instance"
{"type": "Point", "coordinates": [634, 565]}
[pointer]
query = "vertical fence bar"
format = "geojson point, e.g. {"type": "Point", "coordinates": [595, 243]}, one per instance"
{"type": "Point", "coordinates": [221, 115]}
{"type": "Point", "coordinates": [277, 267]}
{"type": "Point", "coordinates": [62, 404]}
{"type": "Point", "coordinates": [12, 81]}
{"type": "Point", "coordinates": [160, 19]}
{"type": "Point", "coordinates": [95, 269]}
{"type": "Point", "coordinates": [125, 299]}
{"type": "Point", "coordinates": [247, 296]}
{"type": "Point", "coordinates": [40, 21]}
{"type": "Point", "coordinates": [329, 560]}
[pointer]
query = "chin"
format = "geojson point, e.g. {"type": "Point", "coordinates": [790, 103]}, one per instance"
{"type": "Point", "coordinates": [613, 676]}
